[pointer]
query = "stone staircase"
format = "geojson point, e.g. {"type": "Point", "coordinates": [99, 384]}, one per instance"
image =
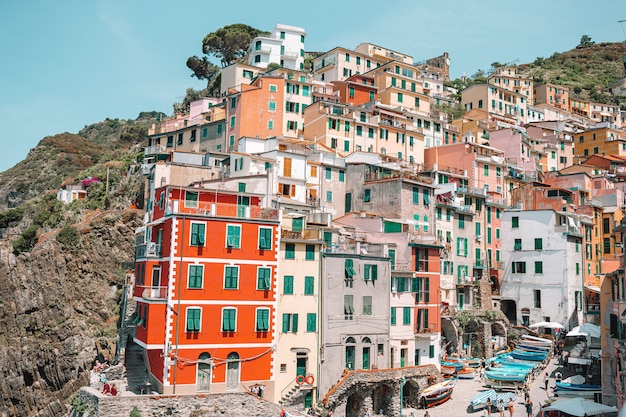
{"type": "Point", "coordinates": [288, 395]}
{"type": "Point", "coordinates": [136, 372]}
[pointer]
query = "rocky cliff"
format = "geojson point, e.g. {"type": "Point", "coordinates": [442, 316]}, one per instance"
{"type": "Point", "coordinates": [56, 304]}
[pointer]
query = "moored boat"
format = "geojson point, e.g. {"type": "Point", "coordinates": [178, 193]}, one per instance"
{"type": "Point", "coordinates": [564, 386]}
{"type": "Point", "coordinates": [437, 394]}
{"type": "Point", "coordinates": [529, 356]}
{"type": "Point", "coordinates": [467, 373]}
{"type": "Point", "coordinates": [448, 370]}
{"type": "Point", "coordinates": [479, 401]}
{"type": "Point", "coordinates": [506, 375]}
{"type": "Point", "coordinates": [456, 365]}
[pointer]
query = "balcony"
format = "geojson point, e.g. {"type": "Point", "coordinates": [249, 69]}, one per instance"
{"type": "Point", "coordinates": [148, 250]}
{"type": "Point", "coordinates": [153, 293]}
{"type": "Point", "coordinates": [177, 207]}
{"type": "Point", "coordinates": [290, 55]}
{"type": "Point", "coordinates": [465, 281]}
{"type": "Point", "coordinates": [155, 150]}
{"type": "Point", "coordinates": [307, 234]}
{"type": "Point", "coordinates": [479, 264]}
{"type": "Point", "coordinates": [401, 266]}
{"type": "Point", "coordinates": [593, 308]}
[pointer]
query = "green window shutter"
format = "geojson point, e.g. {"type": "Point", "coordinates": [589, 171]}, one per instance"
{"type": "Point", "coordinates": [538, 267]}
{"type": "Point", "coordinates": [193, 320]}
{"type": "Point", "coordinates": [431, 350]}
{"type": "Point", "coordinates": [328, 173]}
{"type": "Point", "coordinates": [393, 316]}
{"type": "Point", "coordinates": [349, 268]}
{"type": "Point", "coordinates": [232, 275]}
{"type": "Point", "coordinates": [290, 251]}
{"type": "Point", "coordinates": [342, 176]}
{"type": "Point", "coordinates": [229, 320]}
{"type": "Point", "coordinates": [366, 272]}
{"type": "Point", "coordinates": [427, 289]}
{"type": "Point", "coordinates": [464, 246]}
{"type": "Point", "coordinates": [477, 224]}
{"type": "Point", "coordinates": [286, 322]}
{"type": "Point", "coordinates": [263, 278]}
{"type": "Point", "coordinates": [458, 246]}
{"type": "Point", "coordinates": [374, 272]}
{"type": "Point", "coordinates": [309, 285]}
{"type": "Point", "coordinates": [262, 320]}
{"type": "Point", "coordinates": [197, 234]}
{"type": "Point", "coordinates": [415, 285]}
{"type": "Point", "coordinates": [288, 284]}
{"type": "Point", "coordinates": [367, 305]}
{"type": "Point", "coordinates": [296, 224]}
{"type": "Point", "coordinates": [310, 253]}
{"type": "Point", "coordinates": [311, 322]}
{"type": "Point", "coordinates": [489, 235]}
{"type": "Point", "coordinates": [367, 195]}
{"type": "Point", "coordinates": [195, 276]}
{"type": "Point", "coordinates": [294, 323]}
{"type": "Point", "coordinates": [425, 318]}
{"type": "Point", "coordinates": [406, 315]}
{"type": "Point", "coordinates": [416, 195]}
{"type": "Point", "coordinates": [233, 238]}
{"type": "Point", "coordinates": [538, 244]}
{"type": "Point", "coordinates": [265, 238]}
{"type": "Point", "coordinates": [515, 222]}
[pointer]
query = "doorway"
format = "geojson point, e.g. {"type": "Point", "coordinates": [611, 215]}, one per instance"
{"type": "Point", "coordinates": [204, 372]}
{"type": "Point", "coordinates": [232, 371]}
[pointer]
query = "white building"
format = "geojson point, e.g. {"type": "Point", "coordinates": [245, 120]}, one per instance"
{"type": "Point", "coordinates": [284, 46]}
{"type": "Point", "coordinates": [543, 277]}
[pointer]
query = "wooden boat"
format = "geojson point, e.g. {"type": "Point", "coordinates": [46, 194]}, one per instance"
{"type": "Point", "coordinates": [437, 394]}
{"type": "Point", "coordinates": [533, 348]}
{"type": "Point", "coordinates": [565, 386]}
{"type": "Point", "coordinates": [529, 356]}
{"type": "Point", "coordinates": [506, 375]}
{"type": "Point", "coordinates": [448, 370]}
{"type": "Point", "coordinates": [467, 373]}
{"type": "Point", "coordinates": [456, 365]}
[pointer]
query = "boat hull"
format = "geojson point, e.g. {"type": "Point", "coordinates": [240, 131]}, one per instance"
{"type": "Point", "coordinates": [440, 398]}
{"type": "Point", "coordinates": [564, 386]}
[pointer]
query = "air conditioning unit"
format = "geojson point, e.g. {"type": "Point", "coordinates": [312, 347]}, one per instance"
{"type": "Point", "coordinates": [479, 238]}
{"type": "Point", "coordinates": [152, 248]}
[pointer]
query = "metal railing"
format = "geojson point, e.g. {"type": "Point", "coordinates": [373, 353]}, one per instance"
{"type": "Point", "coordinates": [221, 210]}
{"type": "Point", "coordinates": [153, 293]}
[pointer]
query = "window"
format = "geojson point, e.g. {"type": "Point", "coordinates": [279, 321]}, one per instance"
{"type": "Point", "coordinates": [310, 253]}
{"type": "Point", "coordinates": [416, 195]}
{"type": "Point", "coordinates": [309, 285]}
{"type": "Point", "coordinates": [262, 320]}
{"type": "Point", "coordinates": [366, 195]}
{"type": "Point", "coordinates": [328, 173]}
{"type": "Point", "coordinates": [367, 305]}
{"type": "Point", "coordinates": [272, 106]}
{"type": "Point", "coordinates": [370, 272]}
{"type": "Point", "coordinates": [329, 196]}
{"type": "Point", "coordinates": [538, 267]}
{"type": "Point", "coordinates": [537, 298]}
{"type": "Point", "coordinates": [348, 307]}
{"type": "Point", "coordinates": [191, 199]}
{"type": "Point", "coordinates": [461, 221]}
{"type": "Point", "coordinates": [197, 234]}
{"type": "Point", "coordinates": [406, 315]}
{"type": "Point", "coordinates": [538, 244]}
{"type": "Point", "coordinates": [265, 238]}
{"type": "Point", "coordinates": [399, 97]}
{"type": "Point", "coordinates": [231, 277]}
{"type": "Point", "coordinates": [229, 320]}
{"type": "Point", "coordinates": [515, 222]}
{"type": "Point", "coordinates": [426, 197]}
{"type": "Point", "coordinates": [392, 316]}
{"type": "Point", "coordinates": [290, 323]}
{"type": "Point", "coordinates": [311, 322]}
{"type": "Point", "coordinates": [193, 319]}
{"type": "Point", "coordinates": [263, 281]}
{"type": "Point", "coordinates": [349, 271]}
{"type": "Point", "coordinates": [290, 250]}
{"type": "Point", "coordinates": [273, 88]}
{"type": "Point", "coordinates": [288, 284]}
{"type": "Point", "coordinates": [342, 176]}
{"type": "Point", "coordinates": [519, 267]}
{"type": "Point", "coordinates": [518, 244]}
{"type": "Point", "coordinates": [194, 279]}
{"type": "Point", "coordinates": [233, 236]}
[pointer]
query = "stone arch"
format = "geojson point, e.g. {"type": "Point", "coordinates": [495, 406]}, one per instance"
{"type": "Point", "coordinates": [509, 308]}
{"type": "Point", "coordinates": [354, 404]}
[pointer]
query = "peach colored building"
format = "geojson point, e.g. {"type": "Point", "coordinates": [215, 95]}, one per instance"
{"type": "Point", "coordinates": [599, 141]}
{"type": "Point", "coordinates": [504, 106]}
{"type": "Point", "coordinates": [507, 78]}
{"type": "Point", "coordinates": [555, 95]}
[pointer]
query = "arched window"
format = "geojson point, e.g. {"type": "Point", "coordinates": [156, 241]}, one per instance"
{"type": "Point", "coordinates": [350, 353]}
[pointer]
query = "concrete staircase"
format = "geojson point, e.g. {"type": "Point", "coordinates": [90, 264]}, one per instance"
{"type": "Point", "coordinates": [285, 398]}
{"type": "Point", "coordinates": [136, 372]}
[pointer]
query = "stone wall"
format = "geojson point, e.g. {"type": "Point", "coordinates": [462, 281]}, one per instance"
{"type": "Point", "coordinates": [208, 405]}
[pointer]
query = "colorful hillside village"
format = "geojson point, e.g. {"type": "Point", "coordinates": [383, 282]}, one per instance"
{"type": "Point", "coordinates": [306, 226]}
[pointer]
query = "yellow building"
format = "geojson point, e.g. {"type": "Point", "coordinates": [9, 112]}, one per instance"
{"type": "Point", "coordinates": [602, 141]}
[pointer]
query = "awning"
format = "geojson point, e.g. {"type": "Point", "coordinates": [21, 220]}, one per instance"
{"type": "Point", "coordinates": [580, 361]}
{"type": "Point", "coordinates": [592, 288]}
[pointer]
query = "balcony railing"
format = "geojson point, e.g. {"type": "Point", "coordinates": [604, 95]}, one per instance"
{"type": "Point", "coordinates": [155, 150]}
{"type": "Point", "coordinates": [403, 266]}
{"type": "Point", "coordinates": [153, 293]}
{"type": "Point", "coordinates": [307, 234]}
{"type": "Point", "coordinates": [221, 210]}
{"type": "Point", "coordinates": [149, 249]}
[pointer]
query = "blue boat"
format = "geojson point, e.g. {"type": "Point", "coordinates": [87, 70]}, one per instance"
{"type": "Point", "coordinates": [529, 356]}
{"type": "Point", "coordinates": [564, 386]}
{"type": "Point", "coordinates": [456, 365]}
{"type": "Point", "coordinates": [479, 401]}
{"type": "Point", "coordinates": [506, 375]}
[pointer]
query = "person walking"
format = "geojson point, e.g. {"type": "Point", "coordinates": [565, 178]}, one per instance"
{"type": "Point", "coordinates": [488, 407]}
{"type": "Point", "coordinates": [529, 408]}
{"type": "Point", "coordinates": [545, 381]}
{"type": "Point", "coordinates": [501, 407]}
{"type": "Point", "coordinates": [511, 407]}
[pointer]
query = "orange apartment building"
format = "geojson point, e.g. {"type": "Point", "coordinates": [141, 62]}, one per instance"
{"type": "Point", "coordinates": [601, 141]}
{"type": "Point", "coordinates": [356, 90]}
{"type": "Point", "coordinates": [205, 291]}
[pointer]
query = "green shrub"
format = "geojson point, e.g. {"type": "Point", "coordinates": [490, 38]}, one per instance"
{"type": "Point", "coordinates": [10, 216]}
{"type": "Point", "coordinates": [68, 237]}
{"type": "Point", "coordinates": [26, 242]}
{"type": "Point", "coordinates": [135, 412]}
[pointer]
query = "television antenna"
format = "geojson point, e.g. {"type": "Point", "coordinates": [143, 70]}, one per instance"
{"type": "Point", "coordinates": [621, 23]}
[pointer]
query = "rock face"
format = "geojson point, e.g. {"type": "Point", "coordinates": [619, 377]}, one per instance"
{"type": "Point", "coordinates": [55, 305]}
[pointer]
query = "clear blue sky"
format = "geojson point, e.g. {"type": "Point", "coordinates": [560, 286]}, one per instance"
{"type": "Point", "coordinates": [70, 63]}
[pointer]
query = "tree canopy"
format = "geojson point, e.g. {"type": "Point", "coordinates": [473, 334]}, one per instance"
{"type": "Point", "coordinates": [229, 43]}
